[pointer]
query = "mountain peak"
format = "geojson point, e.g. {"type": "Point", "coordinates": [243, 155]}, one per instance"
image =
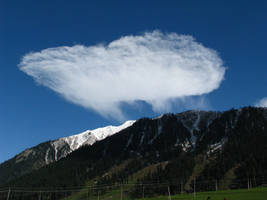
{"type": "Point", "coordinates": [51, 151]}
{"type": "Point", "coordinates": [89, 137]}
{"type": "Point", "coordinates": [190, 131]}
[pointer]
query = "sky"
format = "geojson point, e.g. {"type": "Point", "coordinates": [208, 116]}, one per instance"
{"type": "Point", "coordinates": [69, 66]}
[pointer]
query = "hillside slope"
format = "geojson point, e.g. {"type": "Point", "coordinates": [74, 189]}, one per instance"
{"type": "Point", "coordinates": [51, 151]}
{"type": "Point", "coordinates": [233, 140]}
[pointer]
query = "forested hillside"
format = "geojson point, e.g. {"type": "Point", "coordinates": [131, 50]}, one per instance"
{"type": "Point", "coordinates": [199, 145]}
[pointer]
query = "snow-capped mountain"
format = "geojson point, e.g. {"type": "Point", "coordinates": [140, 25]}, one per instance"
{"type": "Point", "coordinates": [90, 137]}
{"type": "Point", "coordinates": [66, 145]}
{"type": "Point", "coordinates": [217, 141]}
{"type": "Point", "coordinates": [51, 151]}
{"type": "Point", "coordinates": [158, 138]}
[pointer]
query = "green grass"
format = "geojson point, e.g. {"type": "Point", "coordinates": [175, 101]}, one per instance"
{"type": "Point", "coordinates": [252, 194]}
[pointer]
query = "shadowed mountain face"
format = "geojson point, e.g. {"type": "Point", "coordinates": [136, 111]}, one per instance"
{"type": "Point", "coordinates": [51, 151]}
{"type": "Point", "coordinates": [211, 141]}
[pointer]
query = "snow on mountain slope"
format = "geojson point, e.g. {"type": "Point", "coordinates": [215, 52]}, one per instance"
{"type": "Point", "coordinates": [91, 136]}
{"type": "Point", "coordinates": [196, 120]}
{"type": "Point", "coordinates": [48, 152]}
{"type": "Point", "coordinates": [63, 146]}
{"type": "Point", "coordinates": [188, 129]}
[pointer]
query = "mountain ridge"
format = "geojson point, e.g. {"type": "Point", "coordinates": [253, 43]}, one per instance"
{"type": "Point", "coordinates": [170, 137]}
{"type": "Point", "coordinates": [54, 150]}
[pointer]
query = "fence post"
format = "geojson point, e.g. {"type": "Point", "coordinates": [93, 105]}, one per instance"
{"type": "Point", "coordinates": [87, 193]}
{"type": "Point", "coordinates": [255, 183]}
{"type": "Point", "coordinates": [216, 185]}
{"type": "Point", "coordinates": [169, 192]}
{"type": "Point", "coordinates": [40, 196]}
{"type": "Point", "coordinates": [143, 192]}
{"type": "Point", "coordinates": [248, 183]}
{"type": "Point", "coordinates": [121, 192]}
{"type": "Point", "coordinates": [182, 187]}
{"type": "Point", "coordinates": [8, 194]}
{"type": "Point", "coordinates": [195, 188]}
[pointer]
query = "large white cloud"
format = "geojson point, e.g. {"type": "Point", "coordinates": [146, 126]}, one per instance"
{"type": "Point", "coordinates": [153, 67]}
{"type": "Point", "coordinates": [262, 102]}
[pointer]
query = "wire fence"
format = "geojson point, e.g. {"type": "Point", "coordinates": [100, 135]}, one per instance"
{"type": "Point", "coordinates": [193, 189]}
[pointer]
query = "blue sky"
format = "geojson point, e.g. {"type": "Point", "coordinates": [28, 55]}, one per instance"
{"type": "Point", "coordinates": [32, 113]}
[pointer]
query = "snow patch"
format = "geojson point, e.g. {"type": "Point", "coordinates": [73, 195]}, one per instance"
{"type": "Point", "coordinates": [217, 146]}
{"type": "Point", "coordinates": [186, 146]}
{"type": "Point", "coordinates": [55, 145]}
{"type": "Point", "coordinates": [142, 138]}
{"type": "Point", "coordinates": [156, 135]}
{"type": "Point", "coordinates": [46, 156]}
{"type": "Point", "coordinates": [196, 123]}
{"type": "Point", "coordinates": [195, 127]}
{"type": "Point", "coordinates": [129, 141]}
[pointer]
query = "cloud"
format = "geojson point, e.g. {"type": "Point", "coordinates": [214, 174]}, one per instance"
{"type": "Point", "coordinates": [262, 102]}
{"type": "Point", "coordinates": [153, 67]}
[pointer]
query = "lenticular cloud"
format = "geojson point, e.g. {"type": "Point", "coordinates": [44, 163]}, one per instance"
{"type": "Point", "coordinates": [153, 67]}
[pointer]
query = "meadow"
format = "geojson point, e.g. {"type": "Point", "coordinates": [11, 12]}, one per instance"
{"type": "Point", "coordinates": [240, 194]}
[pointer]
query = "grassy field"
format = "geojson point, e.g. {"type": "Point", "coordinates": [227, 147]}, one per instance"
{"type": "Point", "coordinates": [244, 194]}
{"type": "Point", "coordinates": [252, 194]}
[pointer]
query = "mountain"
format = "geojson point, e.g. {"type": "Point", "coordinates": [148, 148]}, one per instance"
{"type": "Point", "coordinates": [51, 151]}
{"type": "Point", "coordinates": [225, 146]}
